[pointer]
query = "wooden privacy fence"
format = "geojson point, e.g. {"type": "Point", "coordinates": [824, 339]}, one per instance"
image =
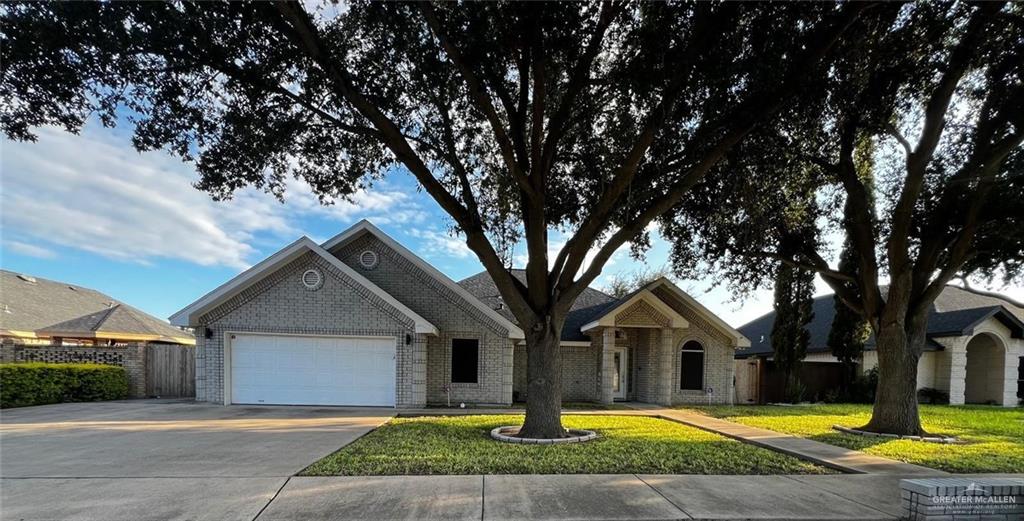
{"type": "Point", "coordinates": [171, 371]}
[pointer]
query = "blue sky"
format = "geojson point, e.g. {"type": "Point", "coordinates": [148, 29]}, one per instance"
{"type": "Point", "coordinates": [90, 210]}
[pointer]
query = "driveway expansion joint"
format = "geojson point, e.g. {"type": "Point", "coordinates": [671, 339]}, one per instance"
{"type": "Point", "coordinates": [272, 498]}
{"type": "Point", "coordinates": [673, 503]}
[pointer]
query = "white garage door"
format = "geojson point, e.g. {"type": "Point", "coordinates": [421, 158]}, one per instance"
{"type": "Point", "coordinates": [299, 370]}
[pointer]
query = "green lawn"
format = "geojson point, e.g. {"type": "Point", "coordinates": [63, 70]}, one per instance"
{"type": "Point", "coordinates": [628, 444]}
{"type": "Point", "coordinates": [993, 436]}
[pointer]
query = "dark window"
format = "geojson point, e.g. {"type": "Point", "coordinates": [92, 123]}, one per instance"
{"type": "Point", "coordinates": [465, 355]}
{"type": "Point", "coordinates": [1020, 378]}
{"type": "Point", "coordinates": [691, 370]}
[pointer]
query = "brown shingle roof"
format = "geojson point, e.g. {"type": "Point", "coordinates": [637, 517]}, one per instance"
{"type": "Point", "coordinates": [32, 304]}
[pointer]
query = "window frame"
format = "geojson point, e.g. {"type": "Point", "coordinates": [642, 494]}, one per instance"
{"type": "Point", "coordinates": [452, 359]}
{"type": "Point", "coordinates": [683, 352]}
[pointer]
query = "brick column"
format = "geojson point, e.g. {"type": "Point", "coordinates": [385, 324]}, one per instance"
{"type": "Point", "coordinates": [607, 364]}
{"type": "Point", "coordinates": [957, 372]}
{"type": "Point", "coordinates": [419, 372]}
{"type": "Point", "coordinates": [135, 366]}
{"type": "Point", "coordinates": [666, 359]}
{"type": "Point", "coordinates": [1013, 351]}
{"type": "Point", "coordinates": [7, 350]}
{"type": "Point", "coordinates": [200, 364]}
{"type": "Point", "coordinates": [507, 372]}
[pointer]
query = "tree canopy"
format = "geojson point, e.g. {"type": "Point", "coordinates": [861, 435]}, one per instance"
{"type": "Point", "coordinates": [936, 90]}
{"type": "Point", "coordinates": [516, 118]}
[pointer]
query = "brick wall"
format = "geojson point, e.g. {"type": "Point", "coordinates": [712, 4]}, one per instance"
{"type": "Point", "coordinates": [718, 366]}
{"type": "Point", "coordinates": [454, 316]}
{"type": "Point", "coordinates": [281, 304]}
{"type": "Point", "coordinates": [491, 370]}
{"type": "Point", "coordinates": [579, 373]}
{"type": "Point", "coordinates": [131, 357]}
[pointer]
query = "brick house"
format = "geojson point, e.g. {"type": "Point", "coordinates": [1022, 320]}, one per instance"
{"type": "Point", "coordinates": [974, 351]}
{"type": "Point", "coordinates": [361, 320]}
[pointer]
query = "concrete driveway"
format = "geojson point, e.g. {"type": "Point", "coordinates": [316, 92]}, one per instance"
{"type": "Point", "coordinates": [157, 459]}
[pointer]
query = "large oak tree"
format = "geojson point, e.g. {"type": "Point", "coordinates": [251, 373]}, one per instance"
{"type": "Point", "coordinates": [516, 118]}
{"type": "Point", "coordinates": [937, 90]}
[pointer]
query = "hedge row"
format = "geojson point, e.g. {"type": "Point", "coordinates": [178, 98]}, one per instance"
{"type": "Point", "coordinates": [33, 383]}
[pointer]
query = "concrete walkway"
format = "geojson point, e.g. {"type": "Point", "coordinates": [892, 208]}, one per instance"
{"type": "Point", "coordinates": [613, 497]}
{"type": "Point", "coordinates": [839, 458]}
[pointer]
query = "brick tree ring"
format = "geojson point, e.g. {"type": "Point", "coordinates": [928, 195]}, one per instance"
{"type": "Point", "coordinates": [508, 433]}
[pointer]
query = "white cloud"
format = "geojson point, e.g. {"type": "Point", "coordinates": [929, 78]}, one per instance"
{"type": "Point", "coordinates": [377, 204]}
{"type": "Point", "coordinates": [95, 193]}
{"type": "Point", "coordinates": [436, 243]}
{"type": "Point", "coordinates": [31, 250]}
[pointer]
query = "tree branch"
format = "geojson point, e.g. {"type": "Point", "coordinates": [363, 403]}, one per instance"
{"type": "Point", "coordinates": [480, 98]}
{"type": "Point", "coordinates": [307, 38]}
{"type": "Point", "coordinates": [931, 132]}
{"type": "Point", "coordinates": [578, 79]}
{"type": "Point", "coordinates": [895, 132]}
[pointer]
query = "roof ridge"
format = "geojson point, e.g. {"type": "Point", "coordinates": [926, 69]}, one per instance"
{"type": "Point", "coordinates": [986, 293]}
{"type": "Point", "coordinates": [133, 314]}
{"type": "Point", "coordinates": [109, 311]}
{"type": "Point", "coordinates": [57, 282]}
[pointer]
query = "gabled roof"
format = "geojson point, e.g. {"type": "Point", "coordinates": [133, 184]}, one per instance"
{"type": "Point", "coordinates": [963, 321]}
{"type": "Point", "coordinates": [118, 322]}
{"type": "Point", "coordinates": [592, 305]}
{"type": "Point", "coordinates": [955, 312]}
{"type": "Point", "coordinates": [606, 317]}
{"type": "Point", "coordinates": [365, 226]}
{"type": "Point", "coordinates": [739, 339]}
{"type": "Point", "coordinates": [191, 313]}
{"type": "Point", "coordinates": [35, 307]}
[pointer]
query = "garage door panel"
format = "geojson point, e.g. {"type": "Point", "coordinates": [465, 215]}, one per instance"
{"type": "Point", "coordinates": [296, 370]}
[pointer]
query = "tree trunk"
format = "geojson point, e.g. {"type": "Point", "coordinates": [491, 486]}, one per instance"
{"type": "Point", "coordinates": [899, 349]}
{"type": "Point", "coordinates": [544, 390]}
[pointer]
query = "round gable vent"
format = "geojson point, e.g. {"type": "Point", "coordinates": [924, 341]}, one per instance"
{"type": "Point", "coordinates": [312, 279]}
{"type": "Point", "coordinates": [368, 259]}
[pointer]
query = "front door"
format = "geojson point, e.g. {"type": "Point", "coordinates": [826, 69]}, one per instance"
{"type": "Point", "coordinates": [620, 373]}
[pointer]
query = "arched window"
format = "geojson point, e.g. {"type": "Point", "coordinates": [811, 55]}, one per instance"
{"type": "Point", "coordinates": [691, 367]}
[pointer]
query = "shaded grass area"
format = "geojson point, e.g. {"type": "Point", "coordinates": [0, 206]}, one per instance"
{"type": "Point", "coordinates": [993, 436]}
{"type": "Point", "coordinates": [585, 406]}
{"type": "Point", "coordinates": [628, 444]}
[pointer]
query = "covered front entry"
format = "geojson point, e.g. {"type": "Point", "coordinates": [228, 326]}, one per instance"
{"type": "Point", "coordinates": [985, 370]}
{"type": "Point", "coordinates": [312, 370]}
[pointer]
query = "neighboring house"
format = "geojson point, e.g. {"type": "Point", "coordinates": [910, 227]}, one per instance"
{"type": "Point", "coordinates": [974, 350]}
{"type": "Point", "coordinates": [361, 320]}
{"type": "Point", "coordinates": [39, 311]}
{"type": "Point", "coordinates": [49, 321]}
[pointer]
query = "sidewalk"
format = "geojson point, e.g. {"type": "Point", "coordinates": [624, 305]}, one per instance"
{"type": "Point", "coordinates": [846, 460]}
{"type": "Point", "coordinates": [618, 497]}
